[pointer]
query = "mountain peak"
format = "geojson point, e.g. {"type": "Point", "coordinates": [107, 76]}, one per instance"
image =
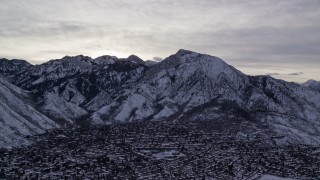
{"type": "Point", "coordinates": [313, 84]}
{"type": "Point", "coordinates": [135, 59]}
{"type": "Point", "coordinates": [20, 61]}
{"type": "Point", "coordinates": [13, 65]}
{"type": "Point", "coordinates": [14, 61]}
{"type": "Point", "coordinates": [106, 59]}
{"type": "Point", "coordinates": [310, 81]}
{"type": "Point", "coordinates": [77, 57]}
{"type": "Point", "coordinates": [191, 55]}
{"type": "Point", "coordinates": [183, 52]}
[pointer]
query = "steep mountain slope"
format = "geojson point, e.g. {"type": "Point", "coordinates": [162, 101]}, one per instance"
{"type": "Point", "coordinates": [65, 87]}
{"type": "Point", "coordinates": [297, 112]}
{"type": "Point", "coordinates": [19, 117]}
{"type": "Point", "coordinates": [185, 79]}
{"type": "Point", "coordinates": [186, 86]}
{"type": "Point", "coordinates": [193, 86]}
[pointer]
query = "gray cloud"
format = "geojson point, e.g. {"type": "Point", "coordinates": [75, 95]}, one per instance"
{"type": "Point", "coordinates": [289, 74]}
{"type": "Point", "coordinates": [255, 36]}
{"type": "Point", "coordinates": [273, 74]}
{"type": "Point", "coordinates": [296, 74]}
{"type": "Point", "coordinates": [157, 59]}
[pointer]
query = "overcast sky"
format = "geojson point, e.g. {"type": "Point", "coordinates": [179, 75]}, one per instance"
{"type": "Point", "coordinates": [276, 37]}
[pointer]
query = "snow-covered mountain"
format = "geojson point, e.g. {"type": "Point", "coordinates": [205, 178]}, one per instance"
{"type": "Point", "coordinates": [19, 116]}
{"type": "Point", "coordinates": [186, 86]}
{"type": "Point", "coordinates": [313, 84]}
{"type": "Point", "coordinates": [193, 86]}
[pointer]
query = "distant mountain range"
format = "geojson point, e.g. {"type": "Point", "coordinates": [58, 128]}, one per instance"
{"type": "Point", "coordinates": [186, 86]}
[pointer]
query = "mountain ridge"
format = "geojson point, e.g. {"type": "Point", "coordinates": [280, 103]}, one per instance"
{"type": "Point", "coordinates": [186, 86]}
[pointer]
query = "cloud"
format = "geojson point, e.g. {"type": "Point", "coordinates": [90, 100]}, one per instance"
{"type": "Point", "coordinates": [289, 74]}
{"type": "Point", "coordinates": [296, 74]}
{"type": "Point", "coordinates": [157, 59]}
{"type": "Point", "coordinates": [273, 74]}
{"type": "Point", "coordinates": [262, 34]}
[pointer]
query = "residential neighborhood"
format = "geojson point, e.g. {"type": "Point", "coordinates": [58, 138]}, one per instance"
{"type": "Point", "coordinates": [155, 150]}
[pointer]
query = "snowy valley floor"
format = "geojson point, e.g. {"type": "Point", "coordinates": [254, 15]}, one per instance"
{"type": "Point", "coordinates": [155, 150]}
